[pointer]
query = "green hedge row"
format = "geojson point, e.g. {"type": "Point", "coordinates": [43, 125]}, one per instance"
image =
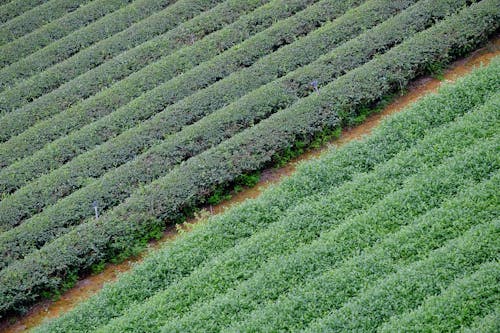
{"type": "Point", "coordinates": [58, 51]}
{"type": "Point", "coordinates": [364, 198]}
{"type": "Point", "coordinates": [385, 217]}
{"type": "Point", "coordinates": [486, 324]}
{"type": "Point", "coordinates": [33, 19]}
{"type": "Point", "coordinates": [209, 131]}
{"type": "Point", "coordinates": [179, 259]}
{"type": "Point", "coordinates": [297, 298]}
{"type": "Point", "coordinates": [81, 15]}
{"type": "Point", "coordinates": [144, 213]}
{"type": "Point", "coordinates": [119, 183]}
{"type": "Point", "coordinates": [455, 307]}
{"type": "Point", "coordinates": [238, 57]}
{"type": "Point", "coordinates": [128, 45]}
{"type": "Point", "coordinates": [350, 275]}
{"type": "Point", "coordinates": [117, 95]}
{"type": "Point", "coordinates": [409, 286]}
{"type": "Point", "coordinates": [186, 28]}
{"type": "Point", "coordinates": [10, 9]}
{"type": "Point", "coordinates": [30, 22]}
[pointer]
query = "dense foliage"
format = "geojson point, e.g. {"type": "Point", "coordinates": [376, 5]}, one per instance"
{"type": "Point", "coordinates": [49, 27]}
{"type": "Point", "coordinates": [398, 230]}
{"type": "Point", "coordinates": [149, 107]}
{"type": "Point", "coordinates": [210, 130]}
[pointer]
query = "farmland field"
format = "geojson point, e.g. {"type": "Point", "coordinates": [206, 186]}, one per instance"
{"type": "Point", "coordinates": [121, 118]}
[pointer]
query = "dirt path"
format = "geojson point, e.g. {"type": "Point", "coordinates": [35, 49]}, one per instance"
{"type": "Point", "coordinates": [92, 284]}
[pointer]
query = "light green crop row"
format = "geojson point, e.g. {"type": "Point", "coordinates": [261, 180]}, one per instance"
{"type": "Point", "coordinates": [119, 94]}
{"type": "Point", "coordinates": [325, 279]}
{"type": "Point", "coordinates": [32, 19]}
{"type": "Point", "coordinates": [290, 291]}
{"type": "Point", "coordinates": [455, 307]}
{"type": "Point", "coordinates": [326, 291]}
{"type": "Point", "coordinates": [239, 56]}
{"type": "Point", "coordinates": [122, 181]}
{"type": "Point", "coordinates": [79, 77]}
{"type": "Point", "coordinates": [222, 232]}
{"type": "Point", "coordinates": [145, 212]}
{"type": "Point", "coordinates": [301, 226]}
{"type": "Point", "coordinates": [486, 324]}
{"type": "Point", "coordinates": [81, 15]}
{"type": "Point", "coordinates": [409, 286]}
{"type": "Point", "coordinates": [108, 26]}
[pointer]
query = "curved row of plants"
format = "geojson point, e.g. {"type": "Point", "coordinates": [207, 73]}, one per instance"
{"type": "Point", "coordinates": [10, 9]}
{"type": "Point", "coordinates": [202, 103]}
{"type": "Point", "coordinates": [35, 18]}
{"type": "Point", "coordinates": [142, 81]}
{"type": "Point", "coordinates": [395, 136]}
{"type": "Point", "coordinates": [81, 15]}
{"type": "Point", "coordinates": [208, 131]}
{"type": "Point", "coordinates": [54, 84]}
{"type": "Point", "coordinates": [340, 217]}
{"type": "Point", "coordinates": [145, 212]}
{"type": "Point", "coordinates": [60, 50]}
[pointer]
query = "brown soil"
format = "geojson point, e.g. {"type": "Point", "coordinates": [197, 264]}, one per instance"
{"type": "Point", "coordinates": [92, 284]}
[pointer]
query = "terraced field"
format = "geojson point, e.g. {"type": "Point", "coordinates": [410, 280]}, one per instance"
{"type": "Point", "coordinates": [142, 111]}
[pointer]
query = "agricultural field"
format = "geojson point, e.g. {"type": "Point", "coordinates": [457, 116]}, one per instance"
{"type": "Point", "coordinates": [407, 217]}
{"type": "Point", "coordinates": [119, 119]}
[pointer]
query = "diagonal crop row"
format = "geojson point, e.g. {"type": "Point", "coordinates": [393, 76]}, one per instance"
{"type": "Point", "coordinates": [293, 308]}
{"type": "Point", "coordinates": [123, 92]}
{"type": "Point", "coordinates": [407, 288]}
{"type": "Point", "coordinates": [210, 131]}
{"type": "Point", "coordinates": [118, 21]}
{"type": "Point", "coordinates": [457, 306]}
{"type": "Point", "coordinates": [171, 263]}
{"type": "Point", "coordinates": [120, 183]}
{"type": "Point", "coordinates": [82, 15]}
{"type": "Point", "coordinates": [43, 88]}
{"type": "Point", "coordinates": [245, 259]}
{"type": "Point", "coordinates": [325, 291]}
{"type": "Point", "coordinates": [113, 59]}
{"type": "Point", "coordinates": [290, 309]}
{"type": "Point", "coordinates": [34, 18]}
{"type": "Point", "coordinates": [10, 9]}
{"type": "Point", "coordinates": [145, 212]}
{"type": "Point", "coordinates": [486, 324]}
{"type": "Point", "coordinates": [80, 62]}
{"type": "Point", "coordinates": [239, 56]}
